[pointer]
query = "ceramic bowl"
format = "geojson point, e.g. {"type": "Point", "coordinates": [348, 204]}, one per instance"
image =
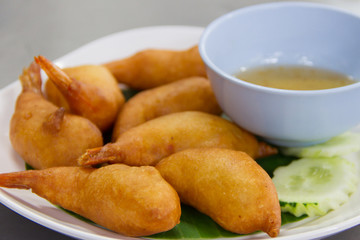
{"type": "Point", "coordinates": [285, 33]}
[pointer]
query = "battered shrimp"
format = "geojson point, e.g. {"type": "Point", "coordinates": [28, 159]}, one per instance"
{"type": "Point", "coordinates": [88, 90]}
{"type": "Point", "coordinates": [151, 141]}
{"type": "Point", "coordinates": [154, 67]}
{"type": "Point", "coordinates": [135, 201]}
{"type": "Point", "coordinates": [227, 185]}
{"type": "Point", "coordinates": [190, 94]}
{"type": "Point", "coordinates": [43, 134]}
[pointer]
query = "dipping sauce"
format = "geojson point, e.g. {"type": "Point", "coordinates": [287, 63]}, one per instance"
{"type": "Point", "coordinates": [294, 77]}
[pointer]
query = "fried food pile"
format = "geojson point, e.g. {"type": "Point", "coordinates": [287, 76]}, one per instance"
{"type": "Point", "coordinates": [193, 93]}
{"type": "Point", "coordinates": [43, 134]}
{"type": "Point", "coordinates": [155, 67]}
{"type": "Point", "coordinates": [169, 146]}
{"type": "Point", "coordinates": [90, 91]}
{"type": "Point", "coordinates": [223, 183]}
{"type": "Point", "coordinates": [134, 201]}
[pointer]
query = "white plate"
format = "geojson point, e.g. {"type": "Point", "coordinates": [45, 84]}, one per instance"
{"type": "Point", "coordinates": [117, 46]}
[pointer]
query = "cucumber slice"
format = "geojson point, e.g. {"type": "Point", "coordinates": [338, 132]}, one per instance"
{"type": "Point", "coordinates": [341, 145]}
{"type": "Point", "coordinates": [314, 186]}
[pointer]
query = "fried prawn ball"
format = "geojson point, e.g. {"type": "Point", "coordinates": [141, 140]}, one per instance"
{"type": "Point", "coordinates": [155, 67]}
{"type": "Point", "coordinates": [90, 91]}
{"type": "Point", "coordinates": [151, 141]}
{"type": "Point", "coordinates": [227, 185]}
{"type": "Point", "coordinates": [42, 133]}
{"type": "Point", "coordinates": [135, 201]}
{"type": "Point", "coordinates": [189, 94]}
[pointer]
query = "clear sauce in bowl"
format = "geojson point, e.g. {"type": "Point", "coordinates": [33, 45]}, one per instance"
{"type": "Point", "coordinates": [294, 77]}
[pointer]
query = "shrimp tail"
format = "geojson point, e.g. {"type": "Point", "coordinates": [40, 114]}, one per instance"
{"type": "Point", "coordinates": [265, 150]}
{"type": "Point", "coordinates": [20, 180]}
{"type": "Point", "coordinates": [96, 156]}
{"type": "Point", "coordinates": [71, 88]}
{"type": "Point", "coordinates": [53, 123]}
{"type": "Point", "coordinates": [57, 75]}
{"type": "Point", "coordinates": [31, 79]}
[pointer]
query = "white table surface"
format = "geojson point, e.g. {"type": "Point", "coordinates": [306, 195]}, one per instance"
{"type": "Point", "coordinates": [54, 28]}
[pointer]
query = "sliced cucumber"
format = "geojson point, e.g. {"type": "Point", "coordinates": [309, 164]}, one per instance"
{"type": "Point", "coordinates": [314, 186]}
{"type": "Point", "coordinates": [341, 145]}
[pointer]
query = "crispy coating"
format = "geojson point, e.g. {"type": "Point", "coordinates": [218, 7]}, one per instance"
{"type": "Point", "coordinates": [135, 201]}
{"type": "Point", "coordinates": [151, 141]}
{"type": "Point", "coordinates": [90, 91]}
{"type": "Point", "coordinates": [227, 185]}
{"type": "Point", "coordinates": [43, 134]}
{"type": "Point", "coordinates": [190, 94]}
{"type": "Point", "coordinates": [154, 67]}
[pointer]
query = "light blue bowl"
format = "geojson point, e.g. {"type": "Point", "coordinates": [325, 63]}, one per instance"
{"type": "Point", "coordinates": [285, 33]}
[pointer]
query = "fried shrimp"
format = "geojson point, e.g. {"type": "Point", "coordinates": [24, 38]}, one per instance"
{"type": "Point", "coordinates": [43, 134]}
{"type": "Point", "coordinates": [88, 90]}
{"type": "Point", "coordinates": [135, 201]}
{"type": "Point", "coordinates": [227, 185]}
{"type": "Point", "coordinates": [190, 94]}
{"type": "Point", "coordinates": [151, 141]}
{"type": "Point", "coordinates": [154, 67]}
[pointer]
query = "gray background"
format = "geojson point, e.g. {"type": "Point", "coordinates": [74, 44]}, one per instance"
{"type": "Point", "coordinates": [54, 28]}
